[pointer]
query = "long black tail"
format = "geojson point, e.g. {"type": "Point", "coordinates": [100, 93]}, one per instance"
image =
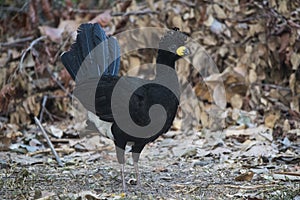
{"type": "Point", "coordinates": [93, 54]}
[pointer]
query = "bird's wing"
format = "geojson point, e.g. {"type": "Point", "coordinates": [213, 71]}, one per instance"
{"type": "Point", "coordinates": [103, 97]}
{"type": "Point", "coordinates": [138, 104]}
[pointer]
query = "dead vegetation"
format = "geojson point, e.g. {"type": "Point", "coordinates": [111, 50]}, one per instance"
{"type": "Point", "coordinates": [249, 150]}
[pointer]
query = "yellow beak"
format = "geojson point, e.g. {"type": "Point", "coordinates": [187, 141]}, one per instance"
{"type": "Point", "coordinates": [182, 51]}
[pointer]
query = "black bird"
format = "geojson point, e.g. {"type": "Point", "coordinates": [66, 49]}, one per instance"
{"type": "Point", "coordinates": [94, 61]}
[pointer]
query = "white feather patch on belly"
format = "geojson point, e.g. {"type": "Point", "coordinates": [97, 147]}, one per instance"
{"type": "Point", "coordinates": [103, 127]}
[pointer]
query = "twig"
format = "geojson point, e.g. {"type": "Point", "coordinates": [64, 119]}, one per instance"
{"type": "Point", "coordinates": [49, 114]}
{"type": "Point", "coordinates": [117, 14]}
{"type": "Point", "coordinates": [34, 42]}
{"type": "Point", "coordinates": [272, 86]}
{"type": "Point", "coordinates": [45, 110]}
{"type": "Point", "coordinates": [59, 140]}
{"type": "Point", "coordinates": [192, 5]}
{"type": "Point", "coordinates": [13, 9]}
{"type": "Point", "coordinates": [254, 187]}
{"type": "Point", "coordinates": [58, 53]}
{"type": "Point", "coordinates": [43, 107]}
{"type": "Point", "coordinates": [64, 150]}
{"type": "Point", "coordinates": [48, 141]}
{"type": "Point", "coordinates": [120, 25]}
{"type": "Point", "coordinates": [26, 39]}
{"type": "Point", "coordinates": [86, 11]}
{"type": "Point", "coordinates": [52, 116]}
{"type": "Point", "coordinates": [59, 84]}
{"type": "Point", "coordinates": [20, 66]}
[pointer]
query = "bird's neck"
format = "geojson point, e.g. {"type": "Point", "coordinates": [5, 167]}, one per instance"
{"type": "Point", "coordinates": [165, 67]}
{"type": "Point", "coordinates": [163, 58]}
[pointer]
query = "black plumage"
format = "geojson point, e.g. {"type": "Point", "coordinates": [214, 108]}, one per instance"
{"type": "Point", "coordinates": [94, 61]}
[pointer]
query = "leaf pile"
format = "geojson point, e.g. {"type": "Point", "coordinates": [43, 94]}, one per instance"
{"type": "Point", "coordinates": [251, 48]}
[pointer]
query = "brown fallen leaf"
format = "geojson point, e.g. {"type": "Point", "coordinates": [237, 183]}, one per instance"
{"type": "Point", "coordinates": [271, 118]}
{"type": "Point", "coordinates": [160, 169]}
{"type": "Point", "coordinates": [285, 39]}
{"type": "Point", "coordinates": [236, 101]}
{"type": "Point", "coordinates": [245, 177]}
{"type": "Point", "coordinates": [4, 143]}
{"type": "Point", "coordinates": [103, 19]}
{"type": "Point", "coordinates": [6, 93]}
{"type": "Point", "coordinates": [53, 33]}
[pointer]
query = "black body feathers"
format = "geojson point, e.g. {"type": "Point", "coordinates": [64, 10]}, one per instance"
{"type": "Point", "coordinates": [95, 60]}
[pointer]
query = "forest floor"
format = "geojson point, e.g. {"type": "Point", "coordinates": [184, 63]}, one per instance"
{"type": "Point", "coordinates": [246, 57]}
{"type": "Point", "coordinates": [176, 166]}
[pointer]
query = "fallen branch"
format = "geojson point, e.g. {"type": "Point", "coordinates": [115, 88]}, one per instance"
{"type": "Point", "coordinates": [86, 11]}
{"type": "Point", "coordinates": [278, 87]}
{"type": "Point", "coordinates": [48, 141]}
{"type": "Point", "coordinates": [34, 42]}
{"type": "Point", "coordinates": [117, 14]}
{"type": "Point", "coordinates": [59, 140]}
{"type": "Point", "coordinates": [58, 83]}
{"type": "Point", "coordinates": [145, 12]}
{"type": "Point", "coordinates": [20, 66]}
{"type": "Point", "coordinates": [43, 107]}
{"type": "Point", "coordinates": [192, 5]}
{"type": "Point", "coordinates": [254, 187]}
{"type": "Point", "coordinates": [13, 43]}
{"type": "Point", "coordinates": [63, 150]}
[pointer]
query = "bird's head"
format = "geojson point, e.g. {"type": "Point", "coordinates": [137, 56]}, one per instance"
{"type": "Point", "coordinates": [172, 44]}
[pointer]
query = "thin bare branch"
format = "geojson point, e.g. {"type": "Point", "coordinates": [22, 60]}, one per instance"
{"type": "Point", "coordinates": [37, 121]}
{"type": "Point", "coordinates": [144, 12]}
{"type": "Point", "coordinates": [15, 42]}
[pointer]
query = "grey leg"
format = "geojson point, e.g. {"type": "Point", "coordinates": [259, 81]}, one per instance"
{"type": "Point", "coordinates": [123, 177]}
{"type": "Point", "coordinates": [121, 159]}
{"type": "Point", "coordinates": [135, 157]}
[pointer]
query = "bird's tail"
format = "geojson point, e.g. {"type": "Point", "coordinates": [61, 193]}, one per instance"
{"type": "Point", "coordinates": [92, 55]}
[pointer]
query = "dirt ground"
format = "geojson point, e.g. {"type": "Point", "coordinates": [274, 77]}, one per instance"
{"type": "Point", "coordinates": [171, 168]}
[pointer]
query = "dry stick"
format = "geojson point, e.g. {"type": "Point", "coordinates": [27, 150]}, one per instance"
{"type": "Point", "coordinates": [13, 43]}
{"type": "Point", "coordinates": [117, 14]}
{"type": "Point", "coordinates": [59, 84]}
{"type": "Point", "coordinates": [144, 12]}
{"type": "Point", "coordinates": [79, 11]}
{"type": "Point", "coordinates": [272, 86]}
{"type": "Point", "coordinates": [254, 187]}
{"type": "Point", "coordinates": [49, 114]}
{"type": "Point", "coordinates": [59, 140]}
{"type": "Point", "coordinates": [34, 42]}
{"type": "Point", "coordinates": [182, 2]}
{"type": "Point", "coordinates": [64, 150]}
{"type": "Point", "coordinates": [43, 107]}
{"type": "Point", "coordinates": [20, 66]}
{"type": "Point", "coordinates": [45, 110]}
{"type": "Point", "coordinates": [58, 53]}
{"type": "Point", "coordinates": [48, 141]}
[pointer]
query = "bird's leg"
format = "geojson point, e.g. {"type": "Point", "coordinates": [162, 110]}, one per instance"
{"type": "Point", "coordinates": [121, 159]}
{"type": "Point", "coordinates": [135, 157]}
{"type": "Point", "coordinates": [123, 177]}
